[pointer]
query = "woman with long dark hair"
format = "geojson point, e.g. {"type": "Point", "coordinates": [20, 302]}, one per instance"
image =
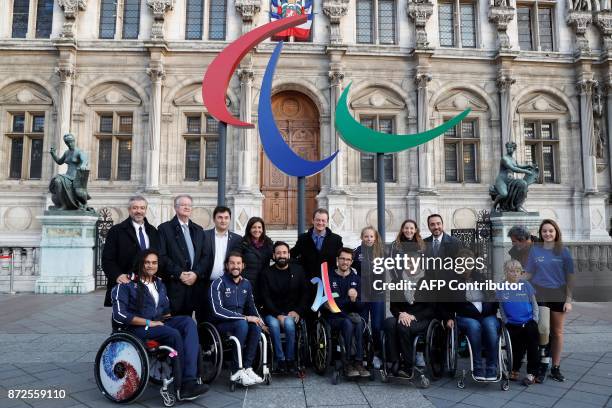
{"type": "Point", "coordinates": [143, 308]}
{"type": "Point", "coordinates": [256, 249]}
{"type": "Point", "coordinates": [551, 270]}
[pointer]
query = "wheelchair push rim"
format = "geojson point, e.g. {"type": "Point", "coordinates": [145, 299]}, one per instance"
{"type": "Point", "coordinates": [323, 348]}
{"type": "Point", "coordinates": [211, 352]}
{"type": "Point", "coordinates": [122, 368]}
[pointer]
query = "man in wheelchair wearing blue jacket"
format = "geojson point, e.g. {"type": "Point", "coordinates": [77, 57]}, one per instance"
{"type": "Point", "coordinates": [234, 313]}
{"type": "Point", "coordinates": [347, 284]}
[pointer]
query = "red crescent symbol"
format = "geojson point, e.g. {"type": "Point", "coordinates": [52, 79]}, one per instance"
{"type": "Point", "coordinates": [221, 69]}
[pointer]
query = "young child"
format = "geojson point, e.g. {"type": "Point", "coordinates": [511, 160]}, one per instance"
{"type": "Point", "coordinates": [519, 311]}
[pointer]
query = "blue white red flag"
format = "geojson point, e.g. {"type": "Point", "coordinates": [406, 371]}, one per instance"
{"type": "Point", "coordinates": [287, 8]}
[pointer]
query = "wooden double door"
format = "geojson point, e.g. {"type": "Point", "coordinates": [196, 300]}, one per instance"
{"type": "Point", "coordinates": [298, 121]}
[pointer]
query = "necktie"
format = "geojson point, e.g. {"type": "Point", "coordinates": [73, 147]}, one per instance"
{"type": "Point", "coordinates": [189, 243]}
{"type": "Point", "coordinates": [319, 242]}
{"type": "Point", "coordinates": [436, 247]}
{"type": "Point", "coordinates": [141, 238]}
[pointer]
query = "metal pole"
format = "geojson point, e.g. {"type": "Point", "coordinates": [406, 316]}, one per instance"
{"type": "Point", "coordinates": [221, 152]}
{"type": "Point", "coordinates": [380, 193]}
{"type": "Point", "coordinates": [301, 204]}
{"type": "Point", "coordinates": [12, 274]}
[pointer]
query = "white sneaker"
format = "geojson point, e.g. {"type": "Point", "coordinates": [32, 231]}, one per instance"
{"type": "Point", "coordinates": [420, 360]}
{"type": "Point", "coordinates": [253, 376]}
{"type": "Point", "coordinates": [377, 362]}
{"type": "Point", "coordinates": [241, 377]}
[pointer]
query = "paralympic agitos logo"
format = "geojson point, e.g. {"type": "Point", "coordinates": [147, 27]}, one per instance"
{"type": "Point", "coordinates": [219, 74]}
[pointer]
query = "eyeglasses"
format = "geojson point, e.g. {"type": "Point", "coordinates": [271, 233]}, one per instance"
{"type": "Point", "coordinates": [346, 259]}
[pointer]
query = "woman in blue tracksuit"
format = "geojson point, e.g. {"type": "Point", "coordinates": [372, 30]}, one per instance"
{"type": "Point", "coordinates": [143, 308]}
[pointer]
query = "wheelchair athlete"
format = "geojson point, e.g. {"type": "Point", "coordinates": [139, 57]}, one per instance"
{"type": "Point", "coordinates": [346, 283]}
{"type": "Point", "coordinates": [143, 308]}
{"type": "Point", "coordinates": [477, 319]}
{"type": "Point", "coordinates": [284, 293]}
{"type": "Point", "coordinates": [412, 313]}
{"type": "Point", "coordinates": [234, 313]}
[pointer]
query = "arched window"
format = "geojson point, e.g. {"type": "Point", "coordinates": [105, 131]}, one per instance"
{"type": "Point", "coordinates": [32, 18]}
{"type": "Point", "coordinates": [26, 108]}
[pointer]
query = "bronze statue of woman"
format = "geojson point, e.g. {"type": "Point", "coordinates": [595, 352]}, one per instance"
{"type": "Point", "coordinates": [69, 190]}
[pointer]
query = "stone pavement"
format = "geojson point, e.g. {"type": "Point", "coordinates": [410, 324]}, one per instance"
{"type": "Point", "coordinates": [50, 342]}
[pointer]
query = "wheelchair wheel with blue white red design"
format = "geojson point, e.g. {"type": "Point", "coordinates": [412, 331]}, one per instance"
{"type": "Point", "coordinates": [122, 368]}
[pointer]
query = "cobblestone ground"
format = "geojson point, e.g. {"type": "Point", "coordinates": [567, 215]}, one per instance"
{"type": "Point", "coordinates": [50, 342]}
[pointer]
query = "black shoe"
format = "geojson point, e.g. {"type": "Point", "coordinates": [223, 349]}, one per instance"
{"type": "Point", "coordinates": [281, 367]}
{"type": "Point", "coordinates": [291, 367]}
{"type": "Point", "coordinates": [541, 376]}
{"type": "Point", "coordinates": [556, 375]}
{"type": "Point", "coordinates": [192, 390]}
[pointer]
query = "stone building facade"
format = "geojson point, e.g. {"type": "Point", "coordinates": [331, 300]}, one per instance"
{"type": "Point", "coordinates": [125, 77]}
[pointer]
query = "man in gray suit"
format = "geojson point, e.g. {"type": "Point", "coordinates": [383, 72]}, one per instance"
{"type": "Point", "coordinates": [182, 256]}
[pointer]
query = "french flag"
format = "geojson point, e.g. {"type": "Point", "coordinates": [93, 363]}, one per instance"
{"type": "Point", "coordinates": [287, 8]}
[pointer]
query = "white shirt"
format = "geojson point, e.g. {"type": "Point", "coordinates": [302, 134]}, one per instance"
{"type": "Point", "coordinates": [153, 291]}
{"type": "Point", "coordinates": [144, 232]}
{"type": "Point", "coordinates": [220, 251]}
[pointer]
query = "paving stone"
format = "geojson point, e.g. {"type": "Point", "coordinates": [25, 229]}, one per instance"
{"type": "Point", "coordinates": [593, 388]}
{"type": "Point", "coordinates": [260, 397]}
{"type": "Point", "coordinates": [341, 394]}
{"type": "Point", "coordinates": [586, 397]}
{"type": "Point", "coordinates": [568, 403]}
{"type": "Point", "coordinates": [395, 397]}
{"type": "Point", "coordinates": [484, 401]}
{"type": "Point", "coordinates": [536, 399]}
{"type": "Point", "coordinates": [440, 403]}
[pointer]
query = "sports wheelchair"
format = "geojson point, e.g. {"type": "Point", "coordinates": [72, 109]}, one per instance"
{"type": "Point", "coordinates": [329, 346]}
{"type": "Point", "coordinates": [432, 344]}
{"type": "Point", "coordinates": [302, 350]}
{"type": "Point", "coordinates": [214, 348]}
{"type": "Point", "coordinates": [124, 365]}
{"type": "Point", "coordinates": [455, 348]}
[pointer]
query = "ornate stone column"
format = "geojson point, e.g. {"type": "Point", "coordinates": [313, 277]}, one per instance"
{"type": "Point", "coordinates": [500, 14]}
{"type": "Point", "coordinates": [504, 85]}
{"type": "Point", "coordinates": [579, 20]}
{"type": "Point", "coordinates": [603, 21]}
{"type": "Point", "coordinates": [159, 9]}
{"type": "Point", "coordinates": [247, 10]}
{"type": "Point", "coordinates": [425, 150]}
{"type": "Point", "coordinates": [420, 11]}
{"type": "Point", "coordinates": [336, 76]}
{"type": "Point", "coordinates": [71, 11]}
{"type": "Point", "coordinates": [66, 72]}
{"type": "Point", "coordinates": [585, 90]}
{"type": "Point", "coordinates": [157, 74]}
{"type": "Point", "coordinates": [248, 151]}
{"type": "Point", "coordinates": [335, 10]}
{"type": "Point", "coordinates": [608, 91]}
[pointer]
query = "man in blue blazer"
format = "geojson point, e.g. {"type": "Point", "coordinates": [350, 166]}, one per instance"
{"type": "Point", "coordinates": [182, 256]}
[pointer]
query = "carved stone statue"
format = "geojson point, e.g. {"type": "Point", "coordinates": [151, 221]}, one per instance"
{"type": "Point", "coordinates": [509, 193]}
{"type": "Point", "coordinates": [69, 190]}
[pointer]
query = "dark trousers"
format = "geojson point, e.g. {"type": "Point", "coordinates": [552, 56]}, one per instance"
{"type": "Point", "coordinates": [374, 312]}
{"type": "Point", "coordinates": [400, 338]}
{"type": "Point", "coordinates": [180, 333]}
{"type": "Point", "coordinates": [525, 338]}
{"type": "Point", "coordinates": [202, 302]}
{"type": "Point", "coordinates": [349, 331]}
{"type": "Point", "coordinates": [248, 334]}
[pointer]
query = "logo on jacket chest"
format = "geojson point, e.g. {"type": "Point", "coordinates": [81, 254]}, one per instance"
{"type": "Point", "coordinates": [228, 292]}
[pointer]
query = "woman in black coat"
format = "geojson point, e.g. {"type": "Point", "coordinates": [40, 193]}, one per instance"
{"type": "Point", "coordinates": [256, 248]}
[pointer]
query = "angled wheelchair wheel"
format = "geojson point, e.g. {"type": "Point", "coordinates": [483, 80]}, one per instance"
{"type": "Point", "coordinates": [505, 358]}
{"type": "Point", "coordinates": [322, 347]}
{"type": "Point", "coordinates": [435, 349]}
{"type": "Point", "coordinates": [368, 347]}
{"type": "Point", "coordinates": [211, 352]}
{"type": "Point", "coordinates": [258, 363]}
{"type": "Point", "coordinates": [303, 346]}
{"type": "Point", "coordinates": [160, 368]}
{"type": "Point", "coordinates": [122, 368]}
{"type": "Point", "coordinates": [452, 343]}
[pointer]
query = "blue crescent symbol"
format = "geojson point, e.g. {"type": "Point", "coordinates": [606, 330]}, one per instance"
{"type": "Point", "coordinates": [277, 150]}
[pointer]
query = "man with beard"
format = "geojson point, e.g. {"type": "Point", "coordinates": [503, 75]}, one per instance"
{"type": "Point", "coordinates": [234, 313]}
{"type": "Point", "coordinates": [284, 292]}
{"type": "Point", "coordinates": [522, 240]}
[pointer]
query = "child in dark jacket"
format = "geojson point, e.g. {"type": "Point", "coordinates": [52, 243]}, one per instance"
{"type": "Point", "coordinates": [519, 311]}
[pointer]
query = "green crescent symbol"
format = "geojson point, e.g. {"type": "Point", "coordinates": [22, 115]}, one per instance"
{"type": "Point", "coordinates": [369, 141]}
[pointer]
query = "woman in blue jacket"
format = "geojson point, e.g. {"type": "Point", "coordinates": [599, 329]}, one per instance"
{"type": "Point", "coordinates": [143, 308]}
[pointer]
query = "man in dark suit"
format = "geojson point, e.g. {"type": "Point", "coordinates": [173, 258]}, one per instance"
{"type": "Point", "coordinates": [182, 256]}
{"type": "Point", "coordinates": [218, 242]}
{"type": "Point", "coordinates": [439, 247]}
{"type": "Point", "coordinates": [125, 242]}
{"type": "Point", "coordinates": [314, 247]}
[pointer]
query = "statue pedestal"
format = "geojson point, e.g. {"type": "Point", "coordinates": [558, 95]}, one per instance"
{"type": "Point", "coordinates": [67, 253]}
{"type": "Point", "coordinates": [501, 222]}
